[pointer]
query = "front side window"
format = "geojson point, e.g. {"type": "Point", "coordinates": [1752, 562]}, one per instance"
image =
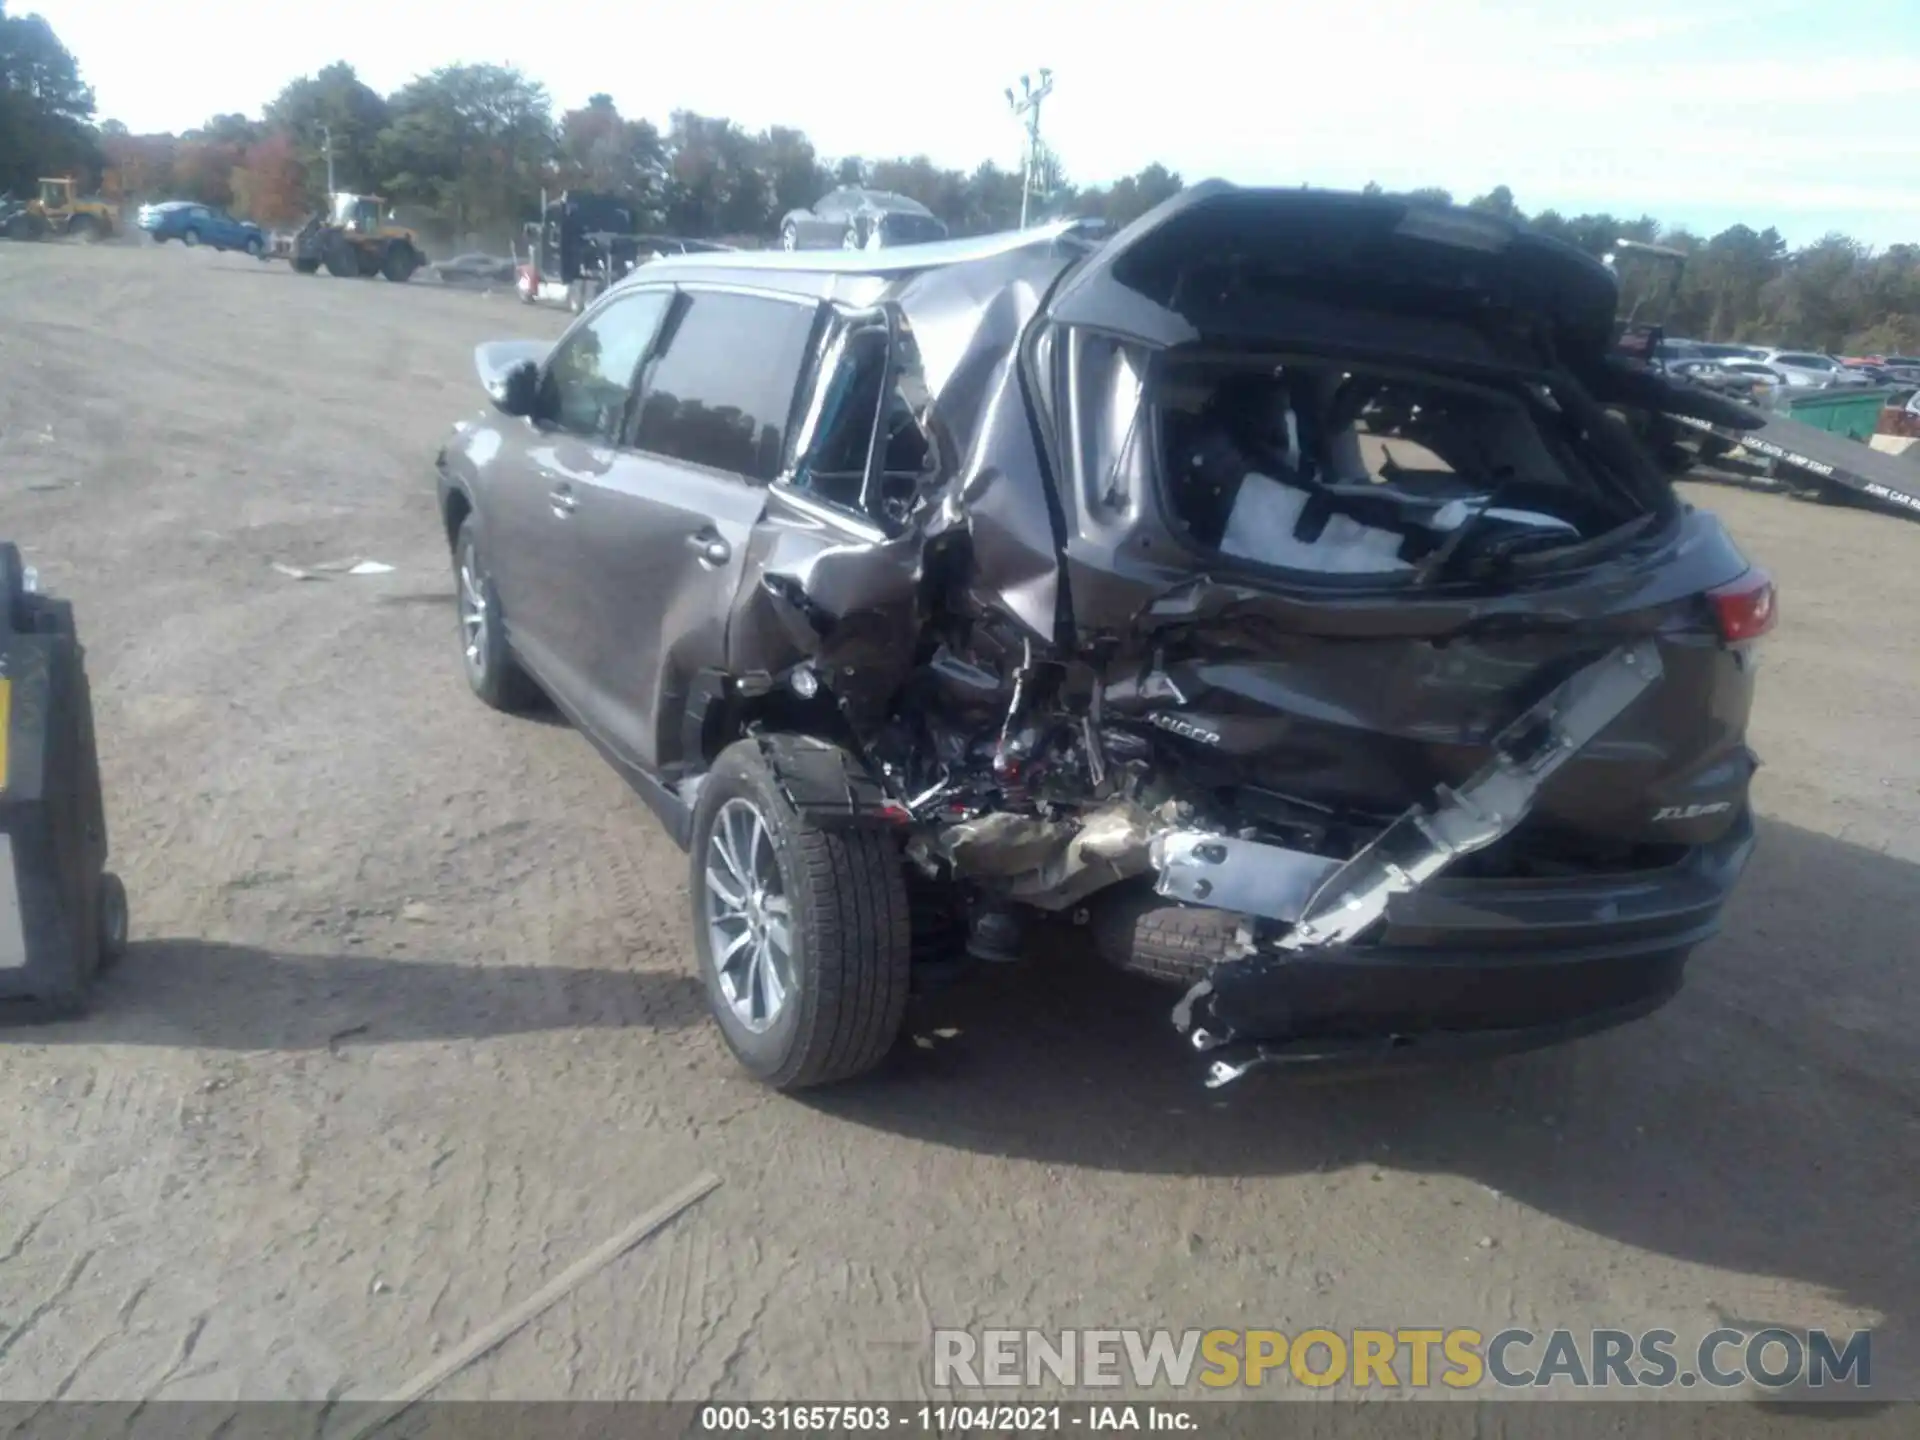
{"type": "Point", "coordinates": [720, 391]}
{"type": "Point", "coordinates": [590, 377]}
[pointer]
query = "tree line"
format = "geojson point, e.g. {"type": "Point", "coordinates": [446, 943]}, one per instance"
{"type": "Point", "coordinates": [471, 147]}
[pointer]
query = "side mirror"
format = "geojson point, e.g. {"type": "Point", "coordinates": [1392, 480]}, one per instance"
{"type": "Point", "coordinates": [516, 389]}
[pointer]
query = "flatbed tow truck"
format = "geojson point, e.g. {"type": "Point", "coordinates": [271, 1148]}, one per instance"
{"type": "Point", "coordinates": [1783, 453]}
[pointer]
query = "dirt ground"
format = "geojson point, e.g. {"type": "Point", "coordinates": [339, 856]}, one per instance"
{"type": "Point", "coordinates": [410, 1023]}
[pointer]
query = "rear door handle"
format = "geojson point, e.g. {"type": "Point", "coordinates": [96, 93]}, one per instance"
{"type": "Point", "coordinates": [711, 549]}
{"type": "Point", "coordinates": [562, 499]}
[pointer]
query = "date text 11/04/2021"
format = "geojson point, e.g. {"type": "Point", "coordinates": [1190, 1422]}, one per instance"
{"type": "Point", "coordinates": [946, 1419]}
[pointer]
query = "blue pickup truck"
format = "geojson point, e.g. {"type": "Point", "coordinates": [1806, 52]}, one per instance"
{"type": "Point", "coordinates": [192, 224]}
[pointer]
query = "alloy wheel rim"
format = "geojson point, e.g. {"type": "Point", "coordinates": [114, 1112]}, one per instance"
{"type": "Point", "coordinates": [473, 612]}
{"type": "Point", "coordinates": [749, 919]}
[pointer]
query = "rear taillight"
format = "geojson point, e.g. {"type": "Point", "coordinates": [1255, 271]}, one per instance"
{"type": "Point", "coordinates": [1745, 609]}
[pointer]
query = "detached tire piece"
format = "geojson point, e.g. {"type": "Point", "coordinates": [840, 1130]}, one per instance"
{"type": "Point", "coordinates": [62, 917]}
{"type": "Point", "coordinates": [1162, 941]}
{"type": "Point", "coordinates": [839, 899]}
{"type": "Point", "coordinates": [492, 672]}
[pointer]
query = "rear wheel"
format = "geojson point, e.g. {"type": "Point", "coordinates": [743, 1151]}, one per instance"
{"type": "Point", "coordinates": [190, 239]}
{"type": "Point", "coordinates": [492, 672]}
{"type": "Point", "coordinates": [803, 934]}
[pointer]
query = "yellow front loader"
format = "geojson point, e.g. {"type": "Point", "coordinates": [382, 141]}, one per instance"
{"type": "Point", "coordinates": [59, 211]}
{"type": "Point", "coordinates": [357, 237]}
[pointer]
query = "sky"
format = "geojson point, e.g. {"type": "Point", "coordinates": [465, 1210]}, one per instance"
{"type": "Point", "coordinates": [1802, 114]}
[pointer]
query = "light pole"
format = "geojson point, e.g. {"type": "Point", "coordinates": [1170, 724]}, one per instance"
{"type": "Point", "coordinates": [326, 148]}
{"type": "Point", "coordinates": [1026, 109]}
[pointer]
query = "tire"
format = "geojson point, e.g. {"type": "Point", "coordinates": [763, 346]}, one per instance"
{"type": "Point", "coordinates": [1173, 944]}
{"type": "Point", "coordinates": [306, 267]}
{"type": "Point", "coordinates": [190, 239]}
{"type": "Point", "coordinates": [492, 672]}
{"type": "Point", "coordinates": [158, 238]}
{"type": "Point", "coordinates": [341, 259]}
{"type": "Point", "coordinates": [789, 236]}
{"type": "Point", "coordinates": [113, 919]}
{"type": "Point", "coordinates": [849, 934]}
{"type": "Point", "coordinates": [15, 613]}
{"type": "Point", "coordinates": [256, 247]}
{"type": "Point", "coordinates": [398, 263]}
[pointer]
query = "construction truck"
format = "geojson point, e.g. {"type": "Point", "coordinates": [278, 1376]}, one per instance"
{"type": "Point", "coordinates": [355, 237]}
{"type": "Point", "coordinates": [579, 246]}
{"type": "Point", "coordinates": [58, 211]}
{"type": "Point", "coordinates": [1649, 278]}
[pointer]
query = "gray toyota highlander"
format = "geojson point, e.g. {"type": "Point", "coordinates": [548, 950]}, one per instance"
{"type": "Point", "coordinates": [1279, 588]}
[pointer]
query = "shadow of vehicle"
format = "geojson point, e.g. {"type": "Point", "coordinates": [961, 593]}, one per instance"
{"type": "Point", "coordinates": [182, 992]}
{"type": "Point", "coordinates": [1766, 1122]}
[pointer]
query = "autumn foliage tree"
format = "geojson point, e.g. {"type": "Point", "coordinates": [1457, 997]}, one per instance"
{"type": "Point", "coordinates": [270, 185]}
{"type": "Point", "coordinates": [474, 146]}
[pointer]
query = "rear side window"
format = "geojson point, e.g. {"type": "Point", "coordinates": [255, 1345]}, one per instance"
{"type": "Point", "coordinates": [720, 393]}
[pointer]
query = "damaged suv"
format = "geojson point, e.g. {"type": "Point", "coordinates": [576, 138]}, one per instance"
{"type": "Point", "coordinates": [1276, 589]}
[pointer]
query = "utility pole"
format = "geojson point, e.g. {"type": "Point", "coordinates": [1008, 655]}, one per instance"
{"type": "Point", "coordinates": [326, 148]}
{"type": "Point", "coordinates": [1026, 109]}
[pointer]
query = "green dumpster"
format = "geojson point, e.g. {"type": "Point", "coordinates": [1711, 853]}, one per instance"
{"type": "Point", "coordinates": [1843, 410]}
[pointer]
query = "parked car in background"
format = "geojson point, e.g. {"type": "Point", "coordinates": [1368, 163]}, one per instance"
{"type": "Point", "coordinates": [476, 267]}
{"type": "Point", "coordinates": [1673, 350]}
{"type": "Point", "coordinates": [1740, 378]}
{"type": "Point", "coordinates": [853, 218]}
{"type": "Point", "coordinates": [192, 223]}
{"type": "Point", "coordinates": [1806, 369]}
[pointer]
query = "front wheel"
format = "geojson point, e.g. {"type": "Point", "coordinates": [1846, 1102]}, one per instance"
{"type": "Point", "coordinates": [256, 247]}
{"type": "Point", "coordinates": [190, 239]}
{"type": "Point", "coordinates": [398, 264]}
{"type": "Point", "coordinates": [492, 672]}
{"type": "Point", "coordinates": [803, 934]}
{"type": "Point", "coordinates": [789, 236]}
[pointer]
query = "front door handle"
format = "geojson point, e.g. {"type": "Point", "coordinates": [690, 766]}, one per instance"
{"type": "Point", "coordinates": [562, 499]}
{"type": "Point", "coordinates": [711, 549]}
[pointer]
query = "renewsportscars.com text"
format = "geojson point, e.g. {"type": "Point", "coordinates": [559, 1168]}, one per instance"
{"type": "Point", "coordinates": [1408, 1358]}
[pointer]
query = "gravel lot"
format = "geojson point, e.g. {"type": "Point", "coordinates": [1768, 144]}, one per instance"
{"type": "Point", "coordinates": [411, 1024]}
